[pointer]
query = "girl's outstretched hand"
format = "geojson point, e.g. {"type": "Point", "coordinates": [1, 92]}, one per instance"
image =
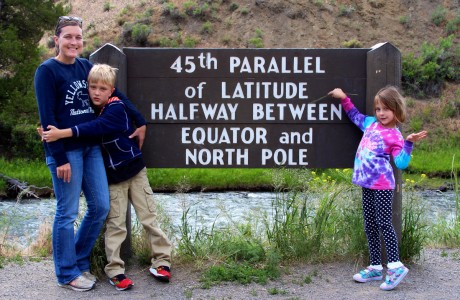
{"type": "Point", "coordinates": [415, 137]}
{"type": "Point", "coordinates": [337, 93]}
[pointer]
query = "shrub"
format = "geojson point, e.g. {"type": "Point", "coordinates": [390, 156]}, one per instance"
{"type": "Point", "coordinates": [233, 7]}
{"type": "Point", "coordinates": [451, 108]}
{"type": "Point", "coordinates": [25, 142]}
{"type": "Point", "coordinates": [169, 9]}
{"type": "Point", "coordinates": [50, 42]}
{"type": "Point", "coordinates": [354, 43]}
{"type": "Point", "coordinates": [206, 28]}
{"type": "Point", "coordinates": [190, 42]}
{"type": "Point", "coordinates": [97, 42]}
{"type": "Point", "coordinates": [257, 41]}
{"type": "Point", "coordinates": [377, 3]}
{"type": "Point", "coordinates": [424, 75]}
{"type": "Point", "coordinates": [107, 6]}
{"type": "Point", "coordinates": [405, 21]}
{"type": "Point", "coordinates": [452, 25]}
{"type": "Point", "coordinates": [318, 3]}
{"type": "Point", "coordinates": [193, 9]}
{"type": "Point", "coordinates": [346, 11]}
{"type": "Point", "coordinates": [168, 42]}
{"type": "Point", "coordinates": [439, 15]}
{"type": "Point", "coordinates": [140, 34]}
{"type": "Point", "coordinates": [244, 11]}
{"type": "Point", "coordinates": [226, 40]}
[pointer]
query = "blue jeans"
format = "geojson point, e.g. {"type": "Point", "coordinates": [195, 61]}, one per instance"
{"type": "Point", "coordinates": [71, 251]}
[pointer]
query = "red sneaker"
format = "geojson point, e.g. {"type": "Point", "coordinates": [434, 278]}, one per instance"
{"type": "Point", "coordinates": [121, 282]}
{"type": "Point", "coordinates": [162, 273]}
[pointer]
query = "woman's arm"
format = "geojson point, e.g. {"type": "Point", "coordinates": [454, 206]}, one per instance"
{"type": "Point", "coordinates": [45, 92]}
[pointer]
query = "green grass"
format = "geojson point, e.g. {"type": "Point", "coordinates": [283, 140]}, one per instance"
{"type": "Point", "coordinates": [34, 172]}
{"type": "Point", "coordinates": [437, 164]}
{"type": "Point", "coordinates": [214, 179]}
{"type": "Point", "coordinates": [434, 161]}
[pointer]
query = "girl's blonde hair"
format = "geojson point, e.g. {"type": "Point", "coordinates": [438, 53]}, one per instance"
{"type": "Point", "coordinates": [103, 73]}
{"type": "Point", "coordinates": [390, 97]}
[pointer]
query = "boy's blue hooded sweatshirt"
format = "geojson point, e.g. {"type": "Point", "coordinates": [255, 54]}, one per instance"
{"type": "Point", "coordinates": [122, 156]}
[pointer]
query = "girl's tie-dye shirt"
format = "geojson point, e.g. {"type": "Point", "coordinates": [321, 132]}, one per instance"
{"type": "Point", "coordinates": [372, 162]}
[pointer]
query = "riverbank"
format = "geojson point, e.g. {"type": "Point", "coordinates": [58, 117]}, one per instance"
{"type": "Point", "coordinates": [434, 276]}
{"type": "Point", "coordinates": [32, 180]}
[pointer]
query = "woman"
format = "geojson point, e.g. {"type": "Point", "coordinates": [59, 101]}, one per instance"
{"type": "Point", "coordinates": [75, 164]}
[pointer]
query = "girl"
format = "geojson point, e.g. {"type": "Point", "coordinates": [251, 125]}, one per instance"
{"type": "Point", "coordinates": [373, 172]}
{"type": "Point", "coordinates": [75, 164]}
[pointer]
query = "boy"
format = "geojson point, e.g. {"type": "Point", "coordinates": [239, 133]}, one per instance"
{"type": "Point", "coordinates": [126, 174]}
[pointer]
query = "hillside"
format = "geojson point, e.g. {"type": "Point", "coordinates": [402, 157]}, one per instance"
{"type": "Point", "coordinates": [278, 23]}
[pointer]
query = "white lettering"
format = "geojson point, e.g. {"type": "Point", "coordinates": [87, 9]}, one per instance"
{"type": "Point", "coordinates": [297, 137]}
{"type": "Point", "coordinates": [284, 157]}
{"type": "Point", "coordinates": [277, 65]}
{"type": "Point", "coordinates": [309, 112]}
{"type": "Point", "coordinates": [217, 157]}
{"type": "Point", "coordinates": [264, 90]}
{"type": "Point", "coordinates": [192, 111]}
{"type": "Point", "coordinates": [220, 136]}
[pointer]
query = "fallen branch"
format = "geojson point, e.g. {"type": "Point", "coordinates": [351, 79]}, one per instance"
{"type": "Point", "coordinates": [22, 189]}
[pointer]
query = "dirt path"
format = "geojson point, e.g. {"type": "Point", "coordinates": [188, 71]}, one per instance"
{"type": "Point", "coordinates": [435, 276]}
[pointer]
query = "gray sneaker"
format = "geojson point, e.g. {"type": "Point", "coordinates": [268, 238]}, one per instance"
{"type": "Point", "coordinates": [79, 284]}
{"type": "Point", "coordinates": [89, 276]}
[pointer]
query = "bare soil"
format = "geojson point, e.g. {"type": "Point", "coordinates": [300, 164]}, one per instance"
{"type": "Point", "coordinates": [435, 276]}
{"type": "Point", "coordinates": [284, 23]}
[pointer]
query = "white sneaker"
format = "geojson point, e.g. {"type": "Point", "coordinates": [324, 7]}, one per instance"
{"type": "Point", "coordinates": [79, 284]}
{"type": "Point", "coordinates": [89, 276]}
{"type": "Point", "coordinates": [394, 277]}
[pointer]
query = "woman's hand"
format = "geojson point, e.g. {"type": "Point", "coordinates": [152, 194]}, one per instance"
{"type": "Point", "coordinates": [415, 137]}
{"type": "Point", "coordinates": [64, 172]}
{"type": "Point", "coordinates": [140, 133]}
{"type": "Point", "coordinates": [40, 133]}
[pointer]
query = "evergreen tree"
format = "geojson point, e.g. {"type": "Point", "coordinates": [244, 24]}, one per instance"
{"type": "Point", "coordinates": [22, 25]}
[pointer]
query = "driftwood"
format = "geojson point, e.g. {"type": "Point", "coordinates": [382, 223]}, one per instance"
{"type": "Point", "coordinates": [21, 189]}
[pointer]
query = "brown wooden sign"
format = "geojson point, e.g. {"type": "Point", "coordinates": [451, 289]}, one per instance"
{"type": "Point", "coordinates": [241, 108]}
{"type": "Point", "coordinates": [248, 108]}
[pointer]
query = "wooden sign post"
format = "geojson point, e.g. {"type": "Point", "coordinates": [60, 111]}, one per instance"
{"type": "Point", "coordinates": [252, 108]}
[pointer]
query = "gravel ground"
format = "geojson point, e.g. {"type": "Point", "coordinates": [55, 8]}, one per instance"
{"type": "Point", "coordinates": [435, 276]}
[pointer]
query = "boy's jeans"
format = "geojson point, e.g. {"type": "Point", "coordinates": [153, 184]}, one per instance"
{"type": "Point", "coordinates": [71, 251]}
{"type": "Point", "coordinates": [138, 190]}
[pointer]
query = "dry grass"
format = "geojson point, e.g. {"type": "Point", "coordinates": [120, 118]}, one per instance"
{"type": "Point", "coordinates": [285, 24]}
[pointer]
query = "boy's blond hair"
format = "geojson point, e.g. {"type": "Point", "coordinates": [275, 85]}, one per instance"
{"type": "Point", "coordinates": [103, 73]}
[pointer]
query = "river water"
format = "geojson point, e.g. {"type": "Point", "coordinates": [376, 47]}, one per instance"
{"type": "Point", "coordinates": [22, 219]}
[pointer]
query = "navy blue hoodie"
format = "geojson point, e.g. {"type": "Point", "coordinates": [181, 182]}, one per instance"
{"type": "Point", "coordinates": [122, 156]}
{"type": "Point", "coordinates": [63, 101]}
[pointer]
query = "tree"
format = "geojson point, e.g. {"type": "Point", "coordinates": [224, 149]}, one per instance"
{"type": "Point", "coordinates": [22, 25]}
